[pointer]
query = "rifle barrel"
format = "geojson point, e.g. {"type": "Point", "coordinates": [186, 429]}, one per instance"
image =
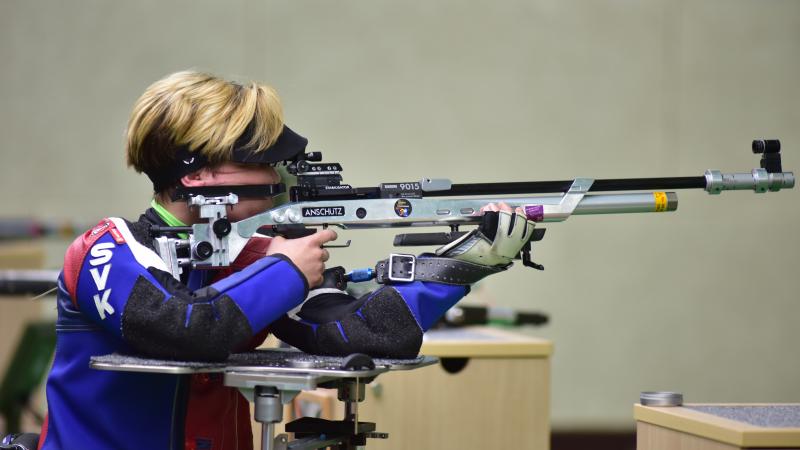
{"type": "Point", "coordinates": [543, 187]}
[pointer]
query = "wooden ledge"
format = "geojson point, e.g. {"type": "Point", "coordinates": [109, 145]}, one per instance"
{"type": "Point", "coordinates": [484, 342]}
{"type": "Point", "coordinates": [718, 428]}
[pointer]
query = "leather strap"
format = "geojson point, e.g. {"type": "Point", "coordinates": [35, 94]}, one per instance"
{"type": "Point", "coordinates": [399, 268]}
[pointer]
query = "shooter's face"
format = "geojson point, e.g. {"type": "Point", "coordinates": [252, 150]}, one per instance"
{"type": "Point", "coordinates": [229, 174]}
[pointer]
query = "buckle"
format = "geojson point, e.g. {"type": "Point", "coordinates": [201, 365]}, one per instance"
{"type": "Point", "coordinates": [401, 267]}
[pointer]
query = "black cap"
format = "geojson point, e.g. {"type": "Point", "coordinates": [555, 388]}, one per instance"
{"type": "Point", "coordinates": [288, 145]}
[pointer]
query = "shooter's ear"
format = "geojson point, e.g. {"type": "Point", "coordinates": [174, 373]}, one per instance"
{"type": "Point", "coordinates": [198, 178]}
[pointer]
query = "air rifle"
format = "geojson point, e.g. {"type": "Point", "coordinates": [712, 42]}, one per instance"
{"type": "Point", "coordinates": [320, 199]}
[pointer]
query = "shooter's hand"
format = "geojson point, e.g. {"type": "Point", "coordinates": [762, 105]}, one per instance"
{"type": "Point", "coordinates": [496, 242]}
{"type": "Point", "coordinates": [306, 253]}
{"type": "Point", "coordinates": [502, 206]}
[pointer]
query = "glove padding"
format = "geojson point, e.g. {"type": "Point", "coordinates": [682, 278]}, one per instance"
{"type": "Point", "coordinates": [496, 242]}
{"type": "Point", "coordinates": [380, 324]}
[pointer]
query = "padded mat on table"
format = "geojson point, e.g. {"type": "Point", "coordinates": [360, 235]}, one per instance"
{"type": "Point", "coordinates": [263, 358]}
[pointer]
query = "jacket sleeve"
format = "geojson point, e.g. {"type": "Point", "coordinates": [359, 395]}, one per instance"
{"type": "Point", "coordinates": [125, 287]}
{"type": "Point", "coordinates": [388, 322]}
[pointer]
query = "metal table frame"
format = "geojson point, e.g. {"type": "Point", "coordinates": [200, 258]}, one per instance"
{"type": "Point", "coordinates": [274, 386]}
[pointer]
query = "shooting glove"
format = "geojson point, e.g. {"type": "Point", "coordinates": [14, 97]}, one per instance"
{"type": "Point", "coordinates": [386, 323]}
{"type": "Point", "coordinates": [496, 242]}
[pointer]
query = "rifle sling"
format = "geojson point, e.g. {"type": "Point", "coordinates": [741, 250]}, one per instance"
{"type": "Point", "coordinates": [408, 268]}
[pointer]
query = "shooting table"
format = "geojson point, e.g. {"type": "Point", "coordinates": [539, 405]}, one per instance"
{"type": "Point", "coordinates": [497, 397]}
{"type": "Point", "coordinates": [278, 375]}
{"type": "Point", "coordinates": [718, 427]}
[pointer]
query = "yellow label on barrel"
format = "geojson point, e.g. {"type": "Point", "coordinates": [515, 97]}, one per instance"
{"type": "Point", "coordinates": [661, 201]}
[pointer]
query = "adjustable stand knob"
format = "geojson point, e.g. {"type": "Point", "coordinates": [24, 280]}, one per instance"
{"type": "Point", "coordinates": [221, 227]}
{"type": "Point", "coordinates": [203, 250]}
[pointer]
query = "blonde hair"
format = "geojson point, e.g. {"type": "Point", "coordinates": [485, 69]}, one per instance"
{"type": "Point", "coordinates": [203, 113]}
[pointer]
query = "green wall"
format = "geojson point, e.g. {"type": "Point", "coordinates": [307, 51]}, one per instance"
{"type": "Point", "coordinates": [704, 300]}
